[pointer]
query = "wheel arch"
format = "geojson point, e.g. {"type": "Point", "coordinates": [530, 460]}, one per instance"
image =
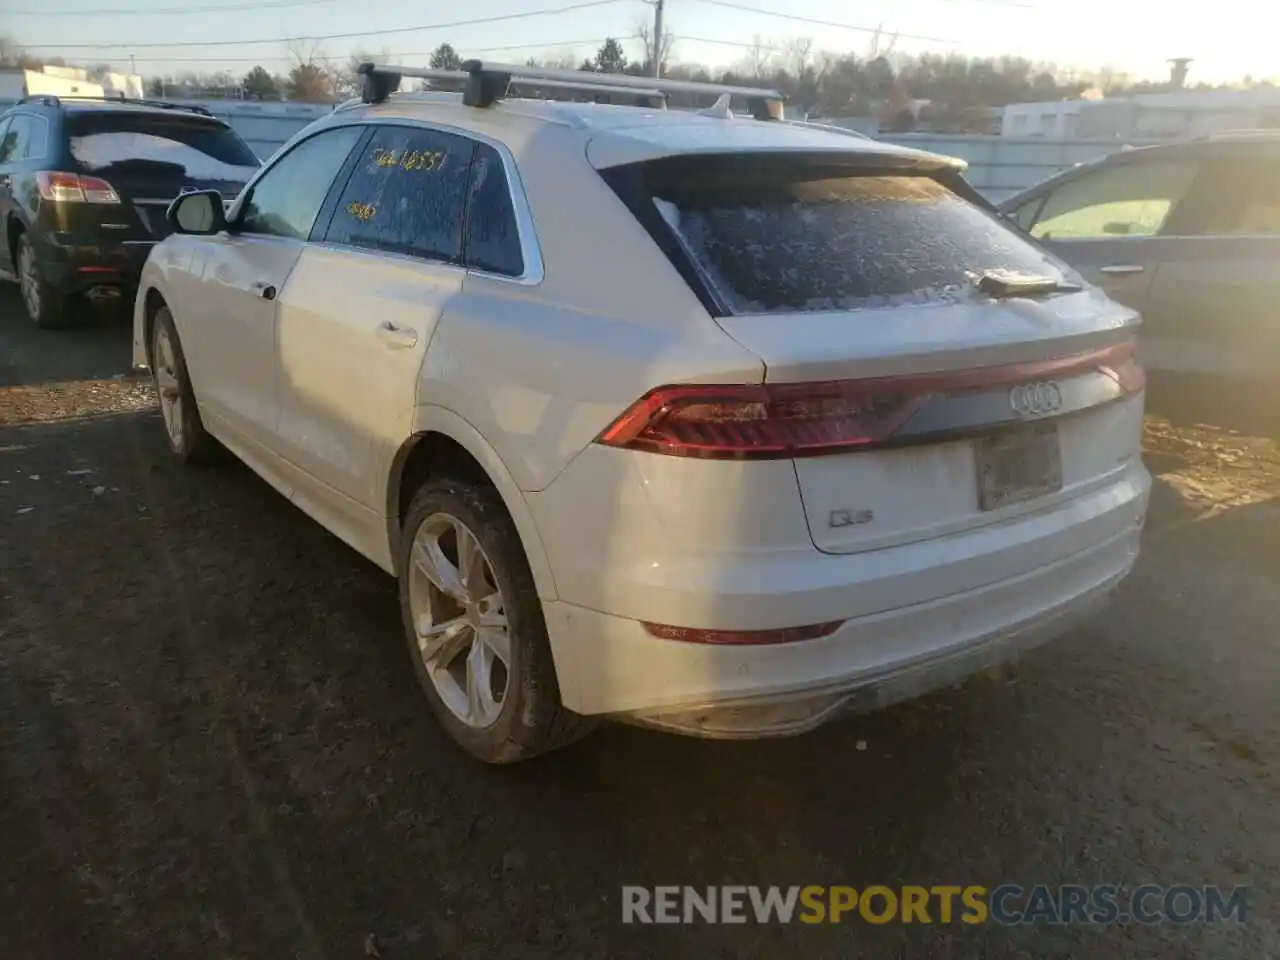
{"type": "Point", "coordinates": [13, 229]}
{"type": "Point", "coordinates": [444, 443]}
{"type": "Point", "coordinates": [152, 300]}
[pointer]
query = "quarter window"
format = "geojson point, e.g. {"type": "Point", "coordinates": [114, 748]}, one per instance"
{"type": "Point", "coordinates": [288, 197]}
{"type": "Point", "coordinates": [37, 138]}
{"type": "Point", "coordinates": [1128, 200]}
{"type": "Point", "coordinates": [1238, 197]}
{"type": "Point", "coordinates": [493, 240]}
{"type": "Point", "coordinates": [407, 194]}
{"type": "Point", "coordinates": [1025, 215]}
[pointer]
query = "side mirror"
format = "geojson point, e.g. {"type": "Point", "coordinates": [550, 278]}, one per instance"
{"type": "Point", "coordinates": [200, 212]}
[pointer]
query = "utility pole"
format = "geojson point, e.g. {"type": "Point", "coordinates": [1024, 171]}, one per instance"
{"type": "Point", "coordinates": [656, 52]}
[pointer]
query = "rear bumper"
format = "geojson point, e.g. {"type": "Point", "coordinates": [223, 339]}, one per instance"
{"type": "Point", "coordinates": [611, 665]}
{"type": "Point", "coordinates": [73, 265]}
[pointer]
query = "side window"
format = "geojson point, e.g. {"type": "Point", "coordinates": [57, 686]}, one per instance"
{"type": "Point", "coordinates": [1236, 197]}
{"type": "Point", "coordinates": [1127, 200]}
{"type": "Point", "coordinates": [492, 240]}
{"type": "Point", "coordinates": [16, 138]}
{"type": "Point", "coordinates": [6, 142]}
{"type": "Point", "coordinates": [288, 197]}
{"type": "Point", "coordinates": [407, 194]}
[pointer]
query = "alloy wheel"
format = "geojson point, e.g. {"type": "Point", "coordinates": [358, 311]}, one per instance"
{"type": "Point", "coordinates": [459, 619]}
{"type": "Point", "coordinates": [29, 280]}
{"type": "Point", "coordinates": [168, 385]}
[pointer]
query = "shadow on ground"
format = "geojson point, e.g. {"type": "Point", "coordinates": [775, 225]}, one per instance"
{"type": "Point", "coordinates": [1251, 409]}
{"type": "Point", "coordinates": [96, 348]}
{"type": "Point", "coordinates": [214, 746]}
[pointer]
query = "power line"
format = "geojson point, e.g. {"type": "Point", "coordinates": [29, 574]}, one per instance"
{"type": "Point", "coordinates": [548, 11]}
{"type": "Point", "coordinates": [821, 23]}
{"type": "Point", "coordinates": [160, 11]}
{"type": "Point", "coordinates": [283, 58]}
{"type": "Point", "coordinates": [729, 43]}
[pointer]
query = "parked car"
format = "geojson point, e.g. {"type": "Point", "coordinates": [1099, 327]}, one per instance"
{"type": "Point", "coordinates": [723, 426]}
{"type": "Point", "coordinates": [84, 186]}
{"type": "Point", "coordinates": [1187, 233]}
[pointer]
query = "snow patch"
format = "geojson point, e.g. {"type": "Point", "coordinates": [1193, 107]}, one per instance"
{"type": "Point", "coordinates": [99, 150]}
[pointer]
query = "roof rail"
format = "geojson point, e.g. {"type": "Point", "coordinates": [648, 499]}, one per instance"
{"type": "Point", "coordinates": [50, 100]}
{"type": "Point", "coordinates": [487, 82]}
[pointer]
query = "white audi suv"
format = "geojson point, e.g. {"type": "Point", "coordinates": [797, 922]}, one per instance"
{"type": "Point", "coordinates": [701, 420]}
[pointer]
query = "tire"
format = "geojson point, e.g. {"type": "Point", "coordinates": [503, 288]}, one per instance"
{"type": "Point", "coordinates": [527, 718]}
{"type": "Point", "coordinates": [184, 430]}
{"type": "Point", "coordinates": [46, 307]}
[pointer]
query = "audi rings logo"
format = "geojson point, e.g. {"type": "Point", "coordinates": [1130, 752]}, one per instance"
{"type": "Point", "coordinates": [1035, 399]}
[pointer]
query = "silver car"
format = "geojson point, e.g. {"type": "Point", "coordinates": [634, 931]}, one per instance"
{"type": "Point", "coordinates": [1187, 233]}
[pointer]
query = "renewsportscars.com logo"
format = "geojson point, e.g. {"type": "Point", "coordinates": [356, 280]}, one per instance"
{"type": "Point", "coordinates": [1008, 904]}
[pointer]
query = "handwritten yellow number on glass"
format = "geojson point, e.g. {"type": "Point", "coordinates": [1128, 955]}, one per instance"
{"type": "Point", "coordinates": [411, 161]}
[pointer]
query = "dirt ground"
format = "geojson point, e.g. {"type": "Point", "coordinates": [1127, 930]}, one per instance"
{"type": "Point", "coordinates": [211, 742]}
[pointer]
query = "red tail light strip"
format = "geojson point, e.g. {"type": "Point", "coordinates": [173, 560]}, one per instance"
{"type": "Point", "coordinates": [744, 637]}
{"type": "Point", "coordinates": [778, 421]}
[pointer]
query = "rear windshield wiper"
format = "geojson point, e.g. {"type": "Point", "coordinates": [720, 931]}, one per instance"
{"type": "Point", "coordinates": [1004, 285]}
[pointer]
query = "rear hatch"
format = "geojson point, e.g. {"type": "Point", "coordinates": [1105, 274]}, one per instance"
{"type": "Point", "coordinates": [928, 370]}
{"type": "Point", "coordinates": [150, 157]}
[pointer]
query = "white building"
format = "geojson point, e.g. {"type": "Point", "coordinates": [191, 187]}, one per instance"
{"type": "Point", "coordinates": [1056, 119]}
{"type": "Point", "coordinates": [1149, 116]}
{"type": "Point", "coordinates": [66, 82]}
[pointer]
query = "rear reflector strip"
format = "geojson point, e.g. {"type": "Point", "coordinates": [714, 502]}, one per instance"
{"type": "Point", "coordinates": [743, 637]}
{"type": "Point", "coordinates": [788, 420]}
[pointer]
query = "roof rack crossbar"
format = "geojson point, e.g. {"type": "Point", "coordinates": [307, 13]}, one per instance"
{"type": "Point", "coordinates": [487, 82]}
{"type": "Point", "coordinates": [588, 83]}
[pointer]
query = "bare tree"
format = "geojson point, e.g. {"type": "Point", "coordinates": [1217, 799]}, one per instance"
{"type": "Point", "coordinates": [344, 78]}
{"type": "Point", "coordinates": [564, 60]}
{"type": "Point", "coordinates": [11, 55]}
{"type": "Point", "coordinates": [797, 55]}
{"type": "Point", "coordinates": [310, 80]}
{"type": "Point", "coordinates": [644, 31]}
{"type": "Point", "coordinates": [756, 60]}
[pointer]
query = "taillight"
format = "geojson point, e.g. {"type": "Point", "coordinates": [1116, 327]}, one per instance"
{"type": "Point", "coordinates": [743, 637]}
{"type": "Point", "coordinates": [73, 188]}
{"type": "Point", "coordinates": [785, 420]}
{"type": "Point", "coordinates": [759, 422]}
{"type": "Point", "coordinates": [1125, 370]}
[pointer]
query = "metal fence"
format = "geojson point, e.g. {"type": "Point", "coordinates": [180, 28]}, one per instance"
{"type": "Point", "coordinates": [998, 166]}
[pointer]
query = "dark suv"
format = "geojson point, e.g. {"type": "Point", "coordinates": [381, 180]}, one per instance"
{"type": "Point", "coordinates": [1189, 234]}
{"type": "Point", "coordinates": [84, 186]}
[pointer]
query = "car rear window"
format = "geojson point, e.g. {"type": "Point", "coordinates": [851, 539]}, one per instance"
{"type": "Point", "coordinates": [205, 149]}
{"type": "Point", "coordinates": [795, 238]}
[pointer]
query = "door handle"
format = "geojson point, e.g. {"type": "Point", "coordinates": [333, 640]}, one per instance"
{"type": "Point", "coordinates": [265, 290]}
{"type": "Point", "coordinates": [400, 337]}
{"type": "Point", "coordinates": [4, 180]}
{"type": "Point", "coordinates": [1122, 269]}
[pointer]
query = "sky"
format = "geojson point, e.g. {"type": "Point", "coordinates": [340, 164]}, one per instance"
{"type": "Point", "coordinates": [1227, 38]}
